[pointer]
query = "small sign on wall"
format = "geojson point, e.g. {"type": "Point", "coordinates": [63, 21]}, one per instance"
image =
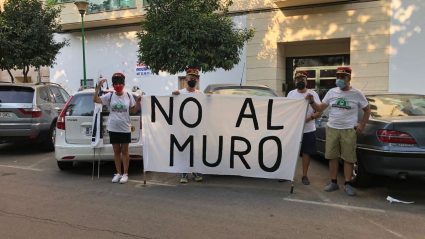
{"type": "Point", "coordinates": [142, 70]}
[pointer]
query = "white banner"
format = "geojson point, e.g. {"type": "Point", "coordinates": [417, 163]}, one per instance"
{"type": "Point", "coordinates": [227, 135]}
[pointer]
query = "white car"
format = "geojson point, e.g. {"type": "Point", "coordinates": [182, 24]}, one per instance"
{"type": "Point", "coordinates": [74, 131]}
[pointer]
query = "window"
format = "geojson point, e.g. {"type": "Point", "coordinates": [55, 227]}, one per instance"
{"type": "Point", "coordinates": [83, 105]}
{"type": "Point", "coordinates": [65, 94]}
{"type": "Point", "coordinates": [109, 5]}
{"type": "Point", "coordinates": [43, 95]}
{"type": "Point", "coordinates": [397, 105]}
{"type": "Point", "coordinates": [16, 94]}
{"type": "Point", "coordinates": [56, 95]}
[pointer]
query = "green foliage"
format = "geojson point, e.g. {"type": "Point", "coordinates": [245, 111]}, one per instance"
{"type": "Point", "coordinates": [27, 28]}
{"type": "Point", "coordinates": [181, 34]}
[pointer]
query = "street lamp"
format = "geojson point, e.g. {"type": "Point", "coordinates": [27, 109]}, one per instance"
{"type": "Point", "coordinates": [82, 7]}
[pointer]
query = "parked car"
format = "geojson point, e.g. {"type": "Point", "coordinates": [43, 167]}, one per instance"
{"type": "Point", "coordinates": [393, 141]}
{"type": "Point", "coordinates": [28, 112]}
{"type": "Point", "coordinates": [74, 131]}
{"type": "Point", "coordinates": [246, 89]}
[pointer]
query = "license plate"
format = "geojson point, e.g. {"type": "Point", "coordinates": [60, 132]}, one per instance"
{"type": "Point", "coordinates": [5, 115]}
{"type": "Point", "coordinates": [89, 131]}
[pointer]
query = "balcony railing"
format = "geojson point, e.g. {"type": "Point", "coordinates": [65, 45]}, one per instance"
{"type": "Point", "coordinates": [106, 5]}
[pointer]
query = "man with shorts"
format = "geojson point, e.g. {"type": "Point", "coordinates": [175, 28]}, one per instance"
{"type": "Point", "coordinates": [342, 128]}
{"type": "Point", "coordinates": [192, 78]}
{"type": "Point", "coordinates": [308, 145]}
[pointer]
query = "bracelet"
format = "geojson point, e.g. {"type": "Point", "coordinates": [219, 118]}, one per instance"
{"type": "Point", "coordinates": [311, 102]}
{"type": "Point", "coordinates": [312, 118]}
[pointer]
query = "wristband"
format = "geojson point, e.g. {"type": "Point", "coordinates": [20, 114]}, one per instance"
{"type": "Point", "coordinates": [312, 118]}
{"type": "Point", "coordinates": [311, 102]}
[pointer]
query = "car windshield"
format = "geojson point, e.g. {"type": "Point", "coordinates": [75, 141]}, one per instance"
{"type": "Point", "coordinates": [83, 105]}
{"type": "Point", "coordinates": [244, 91]}
{"type": "Point", "coordinates": [16, 94]}
{"type": "Point", "coordinates": [397, 105]}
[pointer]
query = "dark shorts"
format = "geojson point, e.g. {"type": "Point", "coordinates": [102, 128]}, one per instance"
{"type": "Point", "coordinates": [308, 146]}
{"type": "Point", "coordinates": [119, 138]}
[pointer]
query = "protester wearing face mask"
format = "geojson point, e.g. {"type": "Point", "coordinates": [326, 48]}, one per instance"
{"type": "Point", "coordinates": [342, 128]}
{"type": "Point", "coordinates": [308, 145]}
{"type": "Point", "coordinates": [192, 79]}
{"type": "Point", "coordinates": [120, 104]}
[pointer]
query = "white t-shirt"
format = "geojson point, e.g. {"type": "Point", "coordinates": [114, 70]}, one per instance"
{"type": "Point", "coordinates": [344, 107]}
{"type": "Point", "coordinates": [310, 126]}
{"type": "Point", "coordinates": [119, 111]}
{"type": "Point", "coordinates": [184, 92]}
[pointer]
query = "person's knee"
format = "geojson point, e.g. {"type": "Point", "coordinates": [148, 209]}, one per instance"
{"type": "Point", "coordinates": [117, 151]}
{"type": "Point", "coordinates": [124, 151]}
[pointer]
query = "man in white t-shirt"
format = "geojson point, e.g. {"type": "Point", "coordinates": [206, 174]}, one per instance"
{"type": "Point", "coordinates": [342, 129]}
{"type": "Point", "coordinates": [192, 79]}
{"type": "Point", "coordinates": [308, 145]}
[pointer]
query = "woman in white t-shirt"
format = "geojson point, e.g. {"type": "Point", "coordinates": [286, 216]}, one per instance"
{"type": "Point", "coordinates": [119, 126]}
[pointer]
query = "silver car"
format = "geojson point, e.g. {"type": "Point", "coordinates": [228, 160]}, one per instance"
{"type": "Point", "coordinates": [28, 112]}
{"type": "Point", "coordinates": [393, 141]}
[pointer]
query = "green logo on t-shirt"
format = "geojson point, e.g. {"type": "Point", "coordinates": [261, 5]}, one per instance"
{"type": "Point", "coordinates": [341, 103]}
{"type": "Point", "coordinates": [119, 107]}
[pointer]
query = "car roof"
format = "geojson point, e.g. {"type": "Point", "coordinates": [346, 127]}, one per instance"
{"type": "Point", "coordinates": [392, 93]}
{"type": "Point", "coordinates": [224, 85]}
{"type": "Point", "coordinates": [87, 91]}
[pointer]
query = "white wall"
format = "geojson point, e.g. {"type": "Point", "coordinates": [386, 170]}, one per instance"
{"type": "Point", "coordinates": [407, 52]}
{"type": "Point", "coordinates": [115, 50]}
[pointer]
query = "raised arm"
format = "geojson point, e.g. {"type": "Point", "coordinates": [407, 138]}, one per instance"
{"type": "Point", "coordinates": [317, 107]}
{"type": "Point", "coordinates": [96, 98]}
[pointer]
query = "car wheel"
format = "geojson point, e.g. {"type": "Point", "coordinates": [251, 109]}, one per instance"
{"type": "Point", "coordinates": [64, 165]}
{"type": "Point", "coordinates": [360, 177]}
{"type": "Point", "coordinates": [49, 144]}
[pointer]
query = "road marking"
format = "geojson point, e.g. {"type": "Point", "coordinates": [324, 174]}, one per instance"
{"type": "Point", "coordinates": [334, 205]}
{"type": "Point", "coordinates": [153, 183]}
{"type": "Point", "coordinates": [19, 167]}
{"type": "Point", "coordinates": [39, 162]}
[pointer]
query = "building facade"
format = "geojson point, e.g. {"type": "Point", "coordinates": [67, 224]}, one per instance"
{"type": "Point", "coordinates": [379, 39]}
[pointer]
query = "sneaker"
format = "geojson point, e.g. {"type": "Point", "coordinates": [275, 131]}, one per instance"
{"type": "Point", "coordinates": [116, 178]}
{"type": "Point", "coordinates": [184, 178]}
{"type": "Point", "coordinates": [349, 190]}
{"type": "Point", "coordinates": [305, 180]}
{"type": "Point", "coordinates": [124, 178]}
{"type": "Point", "coordinates": [331, 187]}
{"type": "Point", "coordinates": [197, 177]}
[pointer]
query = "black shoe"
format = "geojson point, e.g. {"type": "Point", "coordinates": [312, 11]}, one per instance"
{"type": "Point", "coordinates": [305, 180]}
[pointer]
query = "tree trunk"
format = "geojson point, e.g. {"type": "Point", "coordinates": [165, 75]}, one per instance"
{"type": "Point", "coordinates": [11, 76]}
{"type": "Point", "coordinates": [25, 71]}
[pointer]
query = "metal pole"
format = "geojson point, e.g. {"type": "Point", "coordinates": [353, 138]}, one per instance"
{"type": "Point", "coordinates": [84, 53]}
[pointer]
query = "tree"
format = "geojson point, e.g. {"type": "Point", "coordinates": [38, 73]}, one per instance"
{"type": "Point", "coordinates": [181, 34]}
{"type": "Point", "coordinates": [4, 62]}
{"type": "Point", "coordinates": [28, 29]}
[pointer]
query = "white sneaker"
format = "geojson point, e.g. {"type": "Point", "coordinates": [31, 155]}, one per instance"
{"type": "Point", "coordinates": [124, 178]}
{"type": "Point", "coordinates": [116, 178]}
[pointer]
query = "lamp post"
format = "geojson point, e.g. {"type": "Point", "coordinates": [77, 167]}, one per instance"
{"type": "Point", "coordinates": [82, 7]}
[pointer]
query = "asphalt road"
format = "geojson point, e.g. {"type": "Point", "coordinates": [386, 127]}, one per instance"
{"type": "Point", "coordinates": [37, 200]}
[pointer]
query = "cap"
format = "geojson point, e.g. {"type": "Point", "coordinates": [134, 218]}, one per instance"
{"type": "Point", "coordinates": [301, 74]}
{"type": "Point", "coordinates": [119, 75]}
{"type": "Point", "coordinates": [194, 72]}
{"type": "Point", "coordinates": [343, 70]}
